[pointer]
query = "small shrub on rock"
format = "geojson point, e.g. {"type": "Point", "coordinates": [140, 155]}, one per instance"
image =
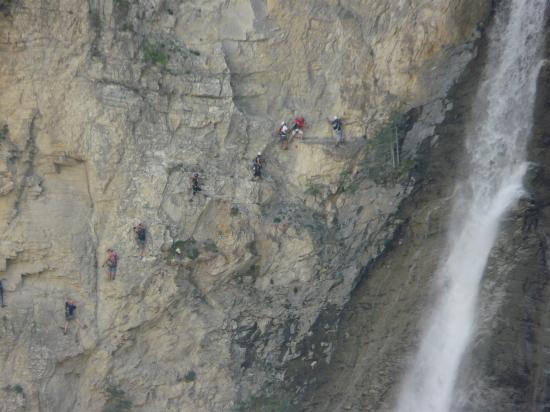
{"type": "Point", "coordinates": [17, 388]}
{"type": "Point", "coordinates": [5, 7]}
{"type": "Point", "coordinates": [154, 53]}
{"type": "Point", "coordinates": [185, 248]}
{"type": "Point", "coordinates": [210, 246]}
{"type": "Point", "coordinates": [386, 164]}
{"type": "Point", "coordinates": [121, 3]}
{"type": "Point", "coordinates": [313, 189]}
{"type": "Point", "coordinates": [117, 401]}
{"type": "Point", "coordinates": [190, 376]}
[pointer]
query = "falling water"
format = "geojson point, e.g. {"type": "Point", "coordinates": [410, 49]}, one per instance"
{"type": "Point", "coordinates": [496, 149]}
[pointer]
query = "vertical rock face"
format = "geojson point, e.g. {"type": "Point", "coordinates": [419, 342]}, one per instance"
{"type": "Point", "coordinates": [380, 327]}
{"type": "Point", "coordinates": [109, 108]}
{"type": "Point", "coordinates": [505, 367]}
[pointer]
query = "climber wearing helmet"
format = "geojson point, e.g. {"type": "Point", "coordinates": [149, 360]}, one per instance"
{"type": "Point", "coordinates": [258, 165]}
{"type": "Point", "coordinates": [283, 135]}
{"type": "Point", "coordinates": [259, 159]}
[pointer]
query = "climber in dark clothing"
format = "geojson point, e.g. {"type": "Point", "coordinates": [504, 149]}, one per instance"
{"type": "Point", "coordinates": [258, 165]}
{"type": "Point", "coordinates": [70, 307]}
{"type": "Point", "coordinates": [141, 237]}
{"type": "Point", "coordinates": [2, 293]}
{"type": "Point", "coordinates": [257, 171]}
{"type": "Point", "coordinates": [336, 124]}
{"type": "Point", "coordinates": [195, 184]}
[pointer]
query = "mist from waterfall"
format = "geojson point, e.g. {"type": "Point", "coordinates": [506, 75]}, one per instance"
{"type": "Point", "coordinates": [496, 151]}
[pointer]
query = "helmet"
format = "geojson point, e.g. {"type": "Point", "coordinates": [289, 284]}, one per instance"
{"type": "Point", "coordinates": [283, 123]}
{"type": "Point", "coordinates": [259, 153]}
{"type": "Point", "coordinates": [335, 118]}
{"type": "Point", "coordinates": [196, 175]}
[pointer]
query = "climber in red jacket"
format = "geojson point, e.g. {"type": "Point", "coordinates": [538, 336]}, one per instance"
{"type": "Point", "coordinates": [298, 127]}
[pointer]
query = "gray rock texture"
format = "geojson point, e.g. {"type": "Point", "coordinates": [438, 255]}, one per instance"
{"type": "Point", "coordinates": [111, 105]}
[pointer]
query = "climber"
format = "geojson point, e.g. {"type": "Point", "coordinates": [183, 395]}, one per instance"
{"type": "Point", "coordinates": [336, 124]}
{"type": "Point", "coordinates": [195, 184]}
{"type": "Point", "coordinates": [112, 263]}
{"type": "Point", "coordinates": [70, 307]}
{"type": "Point", "coordinates": [141, 235]}
{"type": "Point", "coordinates": [298, 127]}
{"type": "Point", "coordinates": [259, 160]}
{"type": "Point", "coordinates": [283, 135]}
{"type": "Point", "coordinates": [2, 293]}
{"type": "Point", "coordinates": [258, 165]}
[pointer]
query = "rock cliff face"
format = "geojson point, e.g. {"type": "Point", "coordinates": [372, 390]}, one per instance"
{"type": "Point", "coordinates": [109, 108]}
{"type": "Point", "coordinates": [379, 329]}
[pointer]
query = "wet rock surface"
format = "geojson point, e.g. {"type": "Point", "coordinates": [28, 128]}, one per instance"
{"type": "Point", "coordinates": [379, 328]}
{"type": "Point", "coordinates": [510, 350]}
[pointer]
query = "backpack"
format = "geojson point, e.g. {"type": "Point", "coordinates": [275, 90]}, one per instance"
{"type": "Point", "coordinates": [69, 309]}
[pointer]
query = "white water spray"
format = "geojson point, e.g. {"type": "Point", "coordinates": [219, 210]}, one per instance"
{"type": "Point", "coordinates": [496, 146]}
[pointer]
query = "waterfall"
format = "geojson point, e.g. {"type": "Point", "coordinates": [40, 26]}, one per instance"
{"type": "Point", "coordinates": [496, 150]}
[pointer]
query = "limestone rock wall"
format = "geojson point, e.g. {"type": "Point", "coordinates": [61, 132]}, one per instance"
{"type": "Point", "coordinates": [111, 105]}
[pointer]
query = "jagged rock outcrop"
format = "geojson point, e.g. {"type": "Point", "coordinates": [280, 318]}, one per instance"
{"type": "Point", "coordinates": [111, 105]}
